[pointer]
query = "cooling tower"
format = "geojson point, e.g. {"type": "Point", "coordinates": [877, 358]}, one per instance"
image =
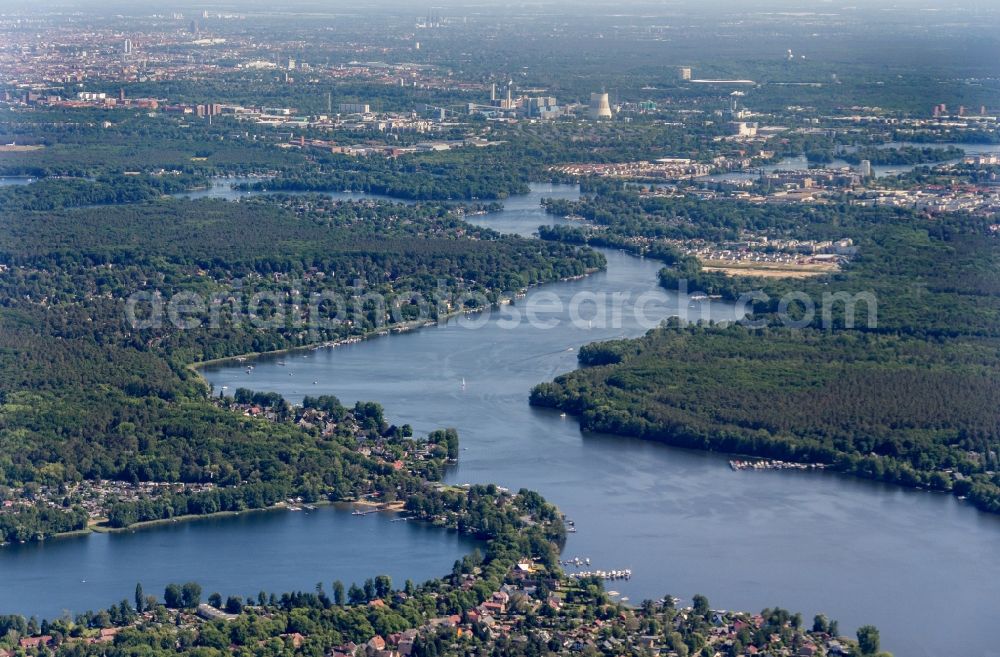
{"type": "Point", "coordinates": [600, 108]}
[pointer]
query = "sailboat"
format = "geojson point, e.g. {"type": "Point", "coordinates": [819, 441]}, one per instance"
{"type": "Point", "coordinates": [463, 383]}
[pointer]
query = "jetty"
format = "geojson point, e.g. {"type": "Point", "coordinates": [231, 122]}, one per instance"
{"type": "Point", "coordinates": [766, 464]}
{"type": "Point", "coordinates": [625, 573]}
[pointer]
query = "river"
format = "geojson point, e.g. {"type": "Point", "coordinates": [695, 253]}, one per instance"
{"type": "Point", "coordinates": [920, 566]}
{"type": "Point", "coordinates": [799, 162]}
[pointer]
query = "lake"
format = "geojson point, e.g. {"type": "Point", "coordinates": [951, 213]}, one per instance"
{"type": "Point", "coordinates": [922, 567]}
{"type": "Point", "coordinates": [222, 187]}
{"type": "Point", "coordinates": [274, 551]}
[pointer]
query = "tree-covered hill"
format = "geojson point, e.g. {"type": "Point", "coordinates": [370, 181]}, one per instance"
{"type": "Point", "coordinates": [887, 407]}
{"type": "Point", "coordinates": [86, 395]}
{"type": "Point", "coordinates": [907, 393]}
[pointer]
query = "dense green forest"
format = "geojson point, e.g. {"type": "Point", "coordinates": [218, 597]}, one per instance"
{"type": "Point", "coordinates": [903, 155]}
{"type": "Point", "coordinates": [111, 292]}
{"type": "Point", "coordinates": [518, 154]}
{"type": "Point", "coordinates": [84, 394]}
{"type": "Point", "coordinates": [467, 174]}
{"type": "Point", "coordinates": [890, 408]}
{"type": "Point", "coordinates": [925, 273]}
{"type": "Point", "coordinates": [95, 142]}
{"type": "Point", "coordinates": [906, 394]}
{"type": "Point", "coordinates": [54, 193]}
{"type": "Point", "coordinates": [101, 143]}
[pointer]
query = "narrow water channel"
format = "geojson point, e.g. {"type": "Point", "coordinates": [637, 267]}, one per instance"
{"type": "Point", "coordinates": [911, 562]}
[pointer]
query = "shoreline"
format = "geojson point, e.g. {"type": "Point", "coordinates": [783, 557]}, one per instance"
{"type": "Point", "coordinates": [400, 327]}
{"type": "Point", "coordinates": [782, 466]}
{"type": "Point", "coordinates": [97, 527]}
{"type": "Point", "coordinates": [388, 329]}
{"type": "Point", "coordinates": [187, 517]}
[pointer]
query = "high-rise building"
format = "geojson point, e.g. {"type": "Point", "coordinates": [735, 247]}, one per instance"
{"type": "Point", "coordinates": [600, 108]}
{"type": "Point", "coordinates": [865, 169]}
{"type": "Point", "coordinates": [291, 64]}
{"type": "Point", "coordinates": [684, 73]}
{"type": "Point", "coordinates": [127, 47]}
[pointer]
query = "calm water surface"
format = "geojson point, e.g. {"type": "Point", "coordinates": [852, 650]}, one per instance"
{"type": "Point", "coordinates": [800, 162]}
{"type": "Point", "coordinates": [273, 551]}
{"type": "Point", "coordinates": [7, 181]}
{"type": "Point", "coordinates": [223, 188]}
{"type": "Point", "coordinates": [923, 567]}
